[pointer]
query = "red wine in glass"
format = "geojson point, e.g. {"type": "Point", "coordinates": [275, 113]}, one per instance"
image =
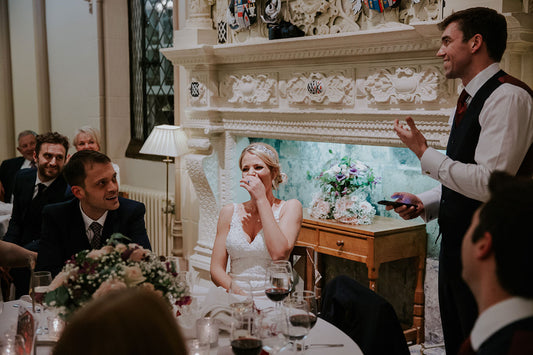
{"type": "Point", "coordinates": [246, 346]}
{"type": "Point", "coordinates": [303, 320]}
{"type": "Point", "coordinates": [40, 292]}
{"type": "Point", "coordinates": [277, 294]}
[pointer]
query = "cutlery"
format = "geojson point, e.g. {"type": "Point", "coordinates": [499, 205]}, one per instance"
{"type": "Point", "coordinates": [299, 346]}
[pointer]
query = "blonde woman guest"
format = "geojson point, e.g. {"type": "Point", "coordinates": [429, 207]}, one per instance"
{"type": "Point", "coordinates": [88, 138]}
{"type": "Point", "coordinates": [125, 322]}
{"type": "Point", "coordinates": [260, 230]}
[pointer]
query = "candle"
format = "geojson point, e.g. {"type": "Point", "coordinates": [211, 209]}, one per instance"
{"type": "Point", "coordinates": [55, 327]}
{"type": "Point", "coordinates": [207, 331]}
{"type": "Point", "coordinates": [197, 348]}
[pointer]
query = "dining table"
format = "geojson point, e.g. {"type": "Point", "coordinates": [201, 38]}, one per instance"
{"type": "Point", "coordinates": [323, 337]}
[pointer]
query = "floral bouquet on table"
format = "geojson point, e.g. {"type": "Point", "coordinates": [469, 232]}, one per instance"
{"type": "Point", "coordinates": [344, 187]}
{"type": "Point", "coordinates": [93, 273]}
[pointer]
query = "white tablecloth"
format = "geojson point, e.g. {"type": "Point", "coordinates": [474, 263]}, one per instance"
{"type": "Point", "coordinates": [322, 333]}
{"type": "Point", "coordinates": [8, 324]}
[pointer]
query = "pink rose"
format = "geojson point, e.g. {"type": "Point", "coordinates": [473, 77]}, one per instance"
{"type": "Point", "coordinates": [320, 208]}
{"type": "Point", "coordinates": [108, 249]}
{"type": "Point", "coordinates": [121, 247]}
{"type": "Point", "coordinates": [133, 275]}
{"type": "Point", "coordinates": [59, 280]}
{"type": "Point", "coordinates": [108, 286]}
{"type": "Point", "coordinates": [95, 254]}
{"type": "Point", "coordinates": [138, 254]}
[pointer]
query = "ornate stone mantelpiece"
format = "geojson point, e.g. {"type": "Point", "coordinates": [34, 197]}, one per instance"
{"type": "Point", "coordinates": [344, 87]}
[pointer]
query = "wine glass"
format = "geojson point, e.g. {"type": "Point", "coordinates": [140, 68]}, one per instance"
{"type": "Point", "coordinates": [302, 314]}
{"type": "Point", "coordinates": [39, 282]}
{"type": "Point", "coordinates": [286, 264]}
{"type": "Point", "coordinates": [240, 295]}
{"type": "Point", "coordinates": [278, 284]}
{"type": "Point", "coordinates": [244, 335]}
{"type": "Point", "coordinates": [274, 330]}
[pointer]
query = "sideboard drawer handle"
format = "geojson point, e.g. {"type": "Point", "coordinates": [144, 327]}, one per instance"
{"type": "Point", "coordinates": [340, 243]}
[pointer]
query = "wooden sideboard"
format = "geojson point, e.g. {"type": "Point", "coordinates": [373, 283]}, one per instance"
{"type": "Point", "coordinates": [387, 239]}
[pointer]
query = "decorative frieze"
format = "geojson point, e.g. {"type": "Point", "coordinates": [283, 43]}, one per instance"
{"type": "Point", "coordinates": [254, 89]}
{"type": "Point", "coordinates": [414, 85]}
{"type": "Point", "coordinates": [336, 87]}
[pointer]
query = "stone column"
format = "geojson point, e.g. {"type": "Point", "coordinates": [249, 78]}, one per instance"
{"type": "Point", "coordinates": [7, 133]}
{"type": "Point", "coordinates": [41, 61]}
{"type": "Point", "coordinates": [198, 26]}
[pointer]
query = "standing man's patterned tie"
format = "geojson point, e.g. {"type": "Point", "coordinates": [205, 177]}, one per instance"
{"type": "Point", "coordinates": [461, 107]}
{"type": "Point", "coordinates": [96, 242]}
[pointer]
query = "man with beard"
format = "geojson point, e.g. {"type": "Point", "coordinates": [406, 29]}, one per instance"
{"type": "Point", "coordinates": [33, 189]}
{"type": "Point", "coordinates": [88, 221]}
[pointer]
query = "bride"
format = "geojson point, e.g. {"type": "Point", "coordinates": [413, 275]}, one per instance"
{"type": "Point", "coordinates": [260, 230]}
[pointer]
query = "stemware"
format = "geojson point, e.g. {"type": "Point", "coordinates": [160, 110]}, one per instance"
{"type": "Point", "coordinates": [274, 330]}
{"type": "Point", "coordinates": [244, 335]}
{"type": "Point", "coordinates": [278, 284]}
{"type": "Point", "coordinates": [286, 264]}
{"type": "Point", "coordinates": [39, 282]}
{"type": "Point", "coordinates": [240, 295]}
{"type": "Point", "coordinates": [302, 315]}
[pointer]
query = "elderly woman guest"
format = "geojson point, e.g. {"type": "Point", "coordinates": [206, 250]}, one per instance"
{"type": "Point", "coordinates": [88, 138]}
{"type": "Point", "coordinates": [124, 322]}
{"type": "Point", "coordinates": [257, 231]}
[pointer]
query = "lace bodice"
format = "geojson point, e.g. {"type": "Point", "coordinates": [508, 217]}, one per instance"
{"type": "Point", "coordinates": [248, 261]}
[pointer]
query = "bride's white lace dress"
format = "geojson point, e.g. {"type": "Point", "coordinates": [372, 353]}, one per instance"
{"type": "Point", "coordinates": [248, 261]}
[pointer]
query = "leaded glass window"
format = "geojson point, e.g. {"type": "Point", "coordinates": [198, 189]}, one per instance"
{"type": "Point", "coordinates": [151, 74]}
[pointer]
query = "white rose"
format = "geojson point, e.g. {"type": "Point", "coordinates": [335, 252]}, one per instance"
{"type": "Point", "coordinates": [133, 275]}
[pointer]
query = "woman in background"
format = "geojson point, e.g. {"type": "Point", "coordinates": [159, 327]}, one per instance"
{"type": "Point", "coordinates": [260, 230]}
{"type": "Point", "coordinates": [125, 322]}
{"type": "Point", "coordinates": [88, 138]}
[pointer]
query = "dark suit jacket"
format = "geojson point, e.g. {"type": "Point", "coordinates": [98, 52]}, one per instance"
{"type": "Point", "coordinates": [364, 316]}
{"type": "Point", "coordinates": [514, 339]}
{"type": "Point", "coordinates": [8, 170]}
{"type": "Point", "coordinates": [63, 231]}
{"type": "Point", "coordinates": [23, 230]}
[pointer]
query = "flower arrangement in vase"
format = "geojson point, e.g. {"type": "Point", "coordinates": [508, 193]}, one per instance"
{"type": "Point", "coordinates": [93, 273]}
{"type": "Point", "coordinates": [344, 187]}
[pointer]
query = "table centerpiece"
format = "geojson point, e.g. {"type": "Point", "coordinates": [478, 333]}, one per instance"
{"type": "Point", "coordinates": [90, 274]}
{"type": "Point", "coordinates": [345, 185]}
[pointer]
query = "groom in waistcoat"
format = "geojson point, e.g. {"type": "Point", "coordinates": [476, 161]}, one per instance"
{"type": "Point", "coordinates": [87, 221]}
{"type": "Point", "coordinates": [492, 129]}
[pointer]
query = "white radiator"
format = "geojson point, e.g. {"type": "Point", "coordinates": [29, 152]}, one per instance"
{"type": "Point", "coordinates": [154, 218]}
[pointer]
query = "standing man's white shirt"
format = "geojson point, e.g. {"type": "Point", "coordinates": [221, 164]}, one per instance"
{"type": "Point", "coordinates": [506, 121]}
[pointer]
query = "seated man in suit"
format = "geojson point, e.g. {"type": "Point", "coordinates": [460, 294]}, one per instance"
{"type": "Point", "coordinates": [89, 220]}
{"type": "Point", "coordinates": [10, 167]}
{"type": "Point", "coordinates": [33, 189]}
{"type": "Point", "coordinates": [498, 268]}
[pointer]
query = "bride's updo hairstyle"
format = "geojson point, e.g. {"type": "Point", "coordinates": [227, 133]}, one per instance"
{"type": "Point", "coordinates": [268, 155]}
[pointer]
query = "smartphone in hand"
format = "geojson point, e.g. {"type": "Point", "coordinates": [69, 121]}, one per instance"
{"type": "Point", "coordinates": [396, 204]}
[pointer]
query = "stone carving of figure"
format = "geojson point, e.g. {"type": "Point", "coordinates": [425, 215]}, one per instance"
{"type": "Point", "coordinates": [272, 11]}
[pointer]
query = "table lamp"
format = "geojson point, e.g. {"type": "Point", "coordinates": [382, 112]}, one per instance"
{"type": "Point", "coordinates": [168, 141]}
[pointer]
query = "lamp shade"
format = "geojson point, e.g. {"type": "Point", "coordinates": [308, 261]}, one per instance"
{"type": "Point", "coordinates": [165, 140]}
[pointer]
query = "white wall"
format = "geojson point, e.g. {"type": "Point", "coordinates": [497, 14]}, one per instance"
{"type": "Point", "coordinates": [23, 64]}
{"type": "Point", "coordinates": [73, 65]}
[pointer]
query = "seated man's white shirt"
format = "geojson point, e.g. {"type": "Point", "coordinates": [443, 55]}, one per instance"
{"type": "Point", "coordinates": [498, 316]}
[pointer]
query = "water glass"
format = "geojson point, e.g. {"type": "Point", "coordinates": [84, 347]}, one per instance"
{"type": "Point", "coordinates": [39, 283]}
{"type": "Point", "coordinates": [207, 331]}
{"type": "Point", "coordinates": [274, 330]}
{"type": "Point", "coordinates": [240, 295]}
{"type": "Point", "coordinates": [196, 347]}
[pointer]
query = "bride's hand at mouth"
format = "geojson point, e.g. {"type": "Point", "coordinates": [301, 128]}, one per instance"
{"type": "Point", "coordinates": [254, 186]}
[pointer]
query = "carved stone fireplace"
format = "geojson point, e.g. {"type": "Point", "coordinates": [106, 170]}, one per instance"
{"type": "Point", "coordinates": [346, 86]}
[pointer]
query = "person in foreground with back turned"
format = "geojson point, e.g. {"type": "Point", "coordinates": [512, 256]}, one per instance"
{"type": "Point", "coordinates": [87, 221]}
{"type": "Point", "coordinates": [498, 268]}
{"type": "Point", "coordinates": [257, 231]}
{"type": "Point", "coordinates": [124, 322]}
{"type": "Point", "coordinates": [492, 129]}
